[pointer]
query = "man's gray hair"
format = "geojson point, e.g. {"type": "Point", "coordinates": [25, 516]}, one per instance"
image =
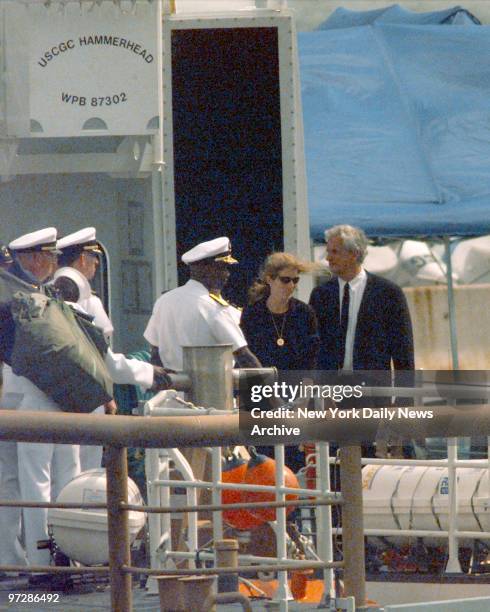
{"type": "Point", "coordinates": [353, 239]}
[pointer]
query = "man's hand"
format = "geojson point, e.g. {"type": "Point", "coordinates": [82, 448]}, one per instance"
{"type": "Point", "coordinates": [110, 407]}
{"type": "Point", "coordinates": [161, 379]}
{"type": "Point", "coordinates": [245, 358]}
{"type": "Point", "coordinates": [155, 356]}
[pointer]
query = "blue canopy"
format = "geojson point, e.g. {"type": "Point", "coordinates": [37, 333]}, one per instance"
{"type": "Point", "coordinates": [344, 18]}
{"type": "Point", "coordinates": [397, 126]}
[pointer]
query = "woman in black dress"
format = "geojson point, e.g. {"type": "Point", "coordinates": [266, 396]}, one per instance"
{"type": "Point", "coordinates": [280, 329]}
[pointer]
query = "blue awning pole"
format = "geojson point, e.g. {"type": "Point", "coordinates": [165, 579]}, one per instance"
{"type": "Point", "coordinates": [451, 305]}
{"type": "Point", "coordinates": [453, 565]}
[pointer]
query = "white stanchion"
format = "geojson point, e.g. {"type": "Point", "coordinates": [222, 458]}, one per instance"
{"type": "Point", "coordinates": [453, 565]}
{"type": "Point", "coordinates": [283, 593]}
{"type": "Point", "coordinates": [324, 520]}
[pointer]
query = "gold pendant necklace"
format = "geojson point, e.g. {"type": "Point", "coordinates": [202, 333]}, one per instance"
{"type": "Point", "coordinates": [280, 340]}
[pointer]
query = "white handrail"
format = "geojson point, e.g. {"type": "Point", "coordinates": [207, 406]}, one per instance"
{"type": "Point", "coordinates": [453, 565]}
{"type": "Point", "coordinates": [160, 530]}
{"type": "Point", "coordinates": [452, 534]}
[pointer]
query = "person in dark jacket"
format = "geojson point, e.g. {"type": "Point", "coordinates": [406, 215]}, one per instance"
{"type": "Point", "coordinates": [378, 334]}
{"type": "Point", "coordinates": [363, 319]}
{"type": "Point", "coordinates": [280, 329]}
{"type": "Point", "coordinates": [25, 467]}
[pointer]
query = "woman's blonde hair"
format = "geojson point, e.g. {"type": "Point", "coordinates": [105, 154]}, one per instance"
{"type": "Point", "coordinates": [272, 266]}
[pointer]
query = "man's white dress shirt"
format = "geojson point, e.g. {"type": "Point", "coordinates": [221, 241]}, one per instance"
{"type": "Point", "coordinates": [356, 288]}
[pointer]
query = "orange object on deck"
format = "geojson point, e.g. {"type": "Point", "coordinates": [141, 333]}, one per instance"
{"type": "Point", "coordinates": [233, 471]}
{"type": "Point", "coordinates": [261, 471]}
{"type": "Point", "coordinates": [313, 590]}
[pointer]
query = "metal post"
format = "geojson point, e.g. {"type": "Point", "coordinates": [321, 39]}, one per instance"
{"type": "Point", "coordinates": [453, 334]}
{"type": "Point", "coordinates": [160, 277]}
{"type": "Point", "coordinates": [154, 525]}
{"type": "Point", "coordinates": [118, 534]}
{"type": "Point", "coordinates": [453, 565]}
{"type": "Point", "coordinates": [226, 555]}
{"type": "Point", "coordinates": [324, 519]}
{"type": "Point", "coordinates": [210, 369]}
{"type": "Point", "coordinates": [282, 594]}
{"type": "Point", "coordinates": [352, 523]}
{"type": "Point", "coordinates": [216, 493]}
{"type": "Point", "coordinates": [190, 523]}
{"type": "Point", "coordinates": [159, 525]}
{"type": "Point", "coordinates": [164, 497]}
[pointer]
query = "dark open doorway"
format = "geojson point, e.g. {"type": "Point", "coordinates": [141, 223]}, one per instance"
{"type": "Point", "coordinates": [227, 144]}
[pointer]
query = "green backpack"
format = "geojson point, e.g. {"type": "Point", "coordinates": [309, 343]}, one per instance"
{"type": "Point", "coordinates": [10, 284]}
{"type": "Point", "coordinates": [56, 351]}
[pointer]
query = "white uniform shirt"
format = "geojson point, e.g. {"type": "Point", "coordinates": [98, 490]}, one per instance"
{"type": "Point", "coordinates": [188, 316]}
{"type": "Point", "coordinates": [129, 371]}
{"type": "Point", "coordinates": [125, 371]}
{"type": "Point", "coordinates": [356, 289]}
{"type": "Point", "coordinates": [93, 305]}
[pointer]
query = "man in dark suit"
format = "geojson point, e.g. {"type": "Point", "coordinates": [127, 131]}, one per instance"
{"type": "Point", "coordinates": [379, 329]}
{"type": "Point", "coordinates": [363, 319]}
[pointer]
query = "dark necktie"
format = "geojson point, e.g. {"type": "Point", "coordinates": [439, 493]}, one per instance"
{"type": "Point", "coordinates": [344, 322]}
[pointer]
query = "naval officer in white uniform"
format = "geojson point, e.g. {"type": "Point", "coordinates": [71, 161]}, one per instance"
{"type": "Point", "coordinates": [196, 314]}
{"type": "Point", "coordinates": [33, 269]}
{"type": "Point", "coordinates": [126, 371]}
{"type": "Point", "coordinates": [78, 262]}
{"type": "Point", "coordinates": [43, 469]}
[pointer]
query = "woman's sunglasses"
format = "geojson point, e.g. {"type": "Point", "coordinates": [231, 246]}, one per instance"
{"type": "Point", "coordinates": [289, 279]}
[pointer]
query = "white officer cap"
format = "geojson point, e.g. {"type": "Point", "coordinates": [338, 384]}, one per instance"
{"type": "Point", "coordinates": [40, 241]}
{"type": "Point", "coordinates": [218, 249]}
{"type": "Point", "coordinates": [83, 240]}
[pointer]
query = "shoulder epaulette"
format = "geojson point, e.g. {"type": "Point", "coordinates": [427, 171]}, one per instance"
{"type": "Point", "coordinates": [219, 299]}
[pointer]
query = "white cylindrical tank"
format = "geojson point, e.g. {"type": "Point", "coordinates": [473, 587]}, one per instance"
{"type": "Point", "coordinates": [82, 534]}
{"type": "Point", "coordinates": [406, 497]}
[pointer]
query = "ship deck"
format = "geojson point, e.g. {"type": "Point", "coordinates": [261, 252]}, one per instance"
{"type": "Point", "coordinates": [99, 599]}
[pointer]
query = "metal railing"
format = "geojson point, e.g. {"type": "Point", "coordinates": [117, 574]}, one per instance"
{"type": "Point", "coordinates": [452, 534]}
{"type": "Point", "coordinates": [116, 433]}
{"type": "Point", "coordinates": [210, 383]}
